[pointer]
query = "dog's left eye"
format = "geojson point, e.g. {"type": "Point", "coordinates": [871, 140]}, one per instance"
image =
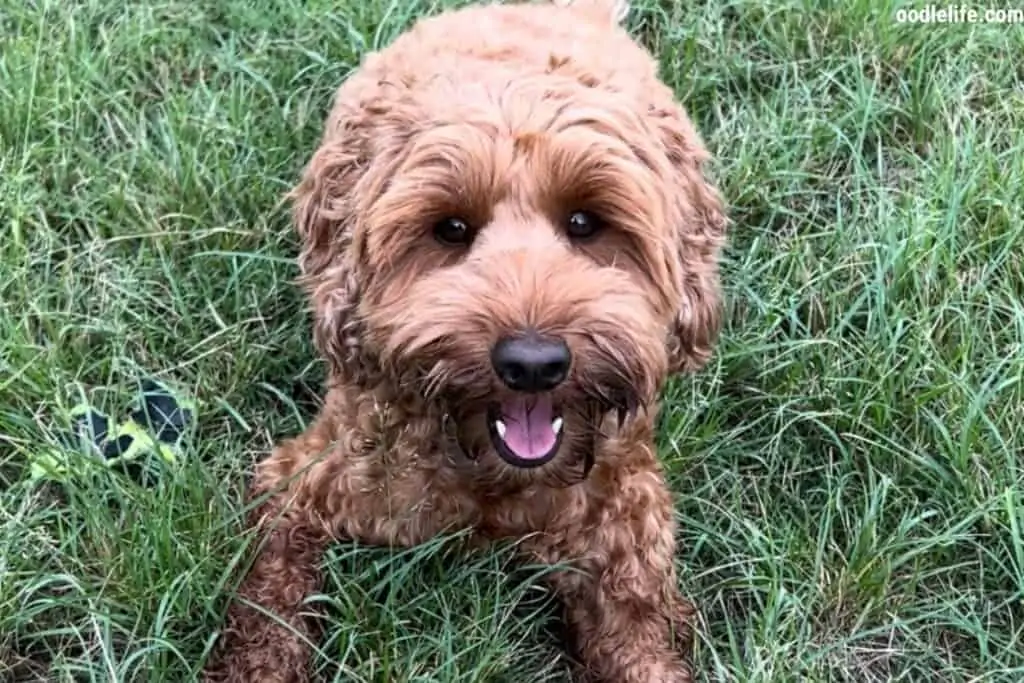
{"type": "Point", "coordinates": [582, 225]}
{"type": "Point", "coordinates": [453, 231]}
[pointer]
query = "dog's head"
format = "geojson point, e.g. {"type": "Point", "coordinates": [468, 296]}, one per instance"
{"type": "Point", "coordinates": [534, 257]}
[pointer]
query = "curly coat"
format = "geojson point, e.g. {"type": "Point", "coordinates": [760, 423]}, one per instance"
{"type": "Point", "coordinates": [510, 117]}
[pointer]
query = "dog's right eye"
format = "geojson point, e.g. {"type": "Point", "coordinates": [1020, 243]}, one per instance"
{"type": "Point", "coordinates": [583, 225]}
{"type": "Point", "coordinates": [453, 232]}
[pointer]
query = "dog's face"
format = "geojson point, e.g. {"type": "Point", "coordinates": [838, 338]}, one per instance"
{"type": "Point", "coordinates": [534, 272]}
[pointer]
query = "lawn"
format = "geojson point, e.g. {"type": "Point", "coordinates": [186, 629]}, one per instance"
{"type": "Point", "coordinates": [848, 468]}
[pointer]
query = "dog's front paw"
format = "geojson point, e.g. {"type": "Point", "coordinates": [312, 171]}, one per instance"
{"type": "Point", "coordinates": [640, 669]}
{"type": "Point", "coordinates": [268, 655]}
{"type": "Point", "coordinates": [656, 670]}
{"type": "Point", "coordinates": [672, 672]}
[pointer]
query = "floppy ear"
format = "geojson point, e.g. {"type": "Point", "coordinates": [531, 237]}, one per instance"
{"type": "Point", "coordinates": [366, 132]}
{"type": "Point", "coordinates": [700, 229]}
{"type": "Point", "coordinates": [324, 213]}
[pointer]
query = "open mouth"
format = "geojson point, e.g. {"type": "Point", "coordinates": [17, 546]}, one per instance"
{"type": "Point", "coordinates": [526, 430]}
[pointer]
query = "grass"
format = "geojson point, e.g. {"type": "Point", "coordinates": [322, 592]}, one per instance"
{"type": "Point", "coordinates": [848, 469]}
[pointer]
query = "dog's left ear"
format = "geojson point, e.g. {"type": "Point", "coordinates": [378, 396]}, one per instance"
{"type": "Point", "coordinates": [700, 221]}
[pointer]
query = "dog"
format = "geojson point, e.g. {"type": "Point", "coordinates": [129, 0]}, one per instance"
{"type": "Point", "coordinates": [508, 244]}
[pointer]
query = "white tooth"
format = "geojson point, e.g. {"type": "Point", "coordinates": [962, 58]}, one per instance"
{"type": "Point", "coordinates": [556, 425]}
{"type": "Point", "coordinates": [499, 426]}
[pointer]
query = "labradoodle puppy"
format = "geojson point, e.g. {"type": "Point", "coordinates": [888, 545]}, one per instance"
{"type": "Point", "coordinates": [509, 245]}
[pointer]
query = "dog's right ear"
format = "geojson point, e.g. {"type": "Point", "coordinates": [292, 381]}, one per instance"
{"type": "Point", "coordinates": [324, 215]}
{"type": "Point", "coordinates": [367, 133]}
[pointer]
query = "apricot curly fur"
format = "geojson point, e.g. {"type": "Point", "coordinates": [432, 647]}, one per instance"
{"type": "Point", "coordinates": [509, 117]}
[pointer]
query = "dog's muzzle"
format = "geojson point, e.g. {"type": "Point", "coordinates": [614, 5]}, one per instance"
{"type": "Point", "coordinates": [526, 427]}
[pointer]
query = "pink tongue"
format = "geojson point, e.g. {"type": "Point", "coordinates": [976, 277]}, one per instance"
{"type": "Point", "coordinates": [528, 430]}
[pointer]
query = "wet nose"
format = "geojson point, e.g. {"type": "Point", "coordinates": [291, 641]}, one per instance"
{"type": "Point", "coordinates": [531, 363]}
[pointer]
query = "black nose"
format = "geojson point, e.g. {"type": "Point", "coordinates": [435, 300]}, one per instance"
{"type": "Point", "coordinates": [531, 363]}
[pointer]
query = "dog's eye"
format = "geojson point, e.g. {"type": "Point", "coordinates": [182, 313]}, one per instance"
{"type": "Point", "coordinates": [583, 225]}
{"type": "Point", "coordinates": [453, 231]}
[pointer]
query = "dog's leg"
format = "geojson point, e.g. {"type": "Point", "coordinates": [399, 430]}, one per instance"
{"type": "Point", "coordinates": [628, 619]}
{"type": "Point", "coordinates": [329, 495]}
{"type": "Point", "coordinates": [267, 626]}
